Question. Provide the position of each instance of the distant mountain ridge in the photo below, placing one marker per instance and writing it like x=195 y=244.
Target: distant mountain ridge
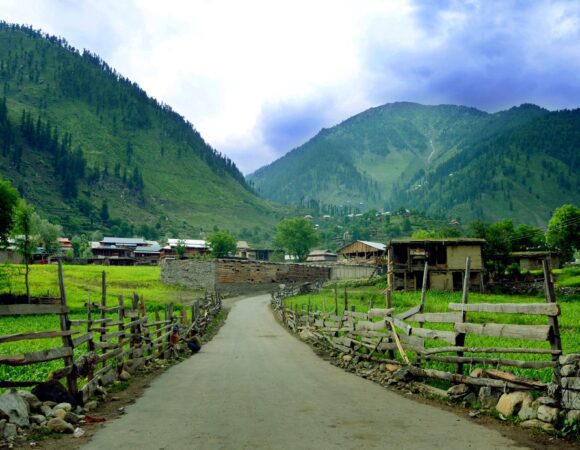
x=76 y=134
x=449 y=160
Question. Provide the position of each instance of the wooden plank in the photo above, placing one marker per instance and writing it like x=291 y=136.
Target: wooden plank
x=365 y=325
x=82 y=339
x=115 y=334
x=493 y=361
x=442 y=317
x=35 y=357
x=106 y=345
x=36 y=335
x=75 y=323
x=71 y=378
x=356 y=315
x=511 y=378
x=400 y=325
x=110 y=354
x=538 y=351
x=26 y=310
x=550 y=295
x=447 y=336
x=546 y=309
x=534 y=332
x=410 y=312
x=380 y=312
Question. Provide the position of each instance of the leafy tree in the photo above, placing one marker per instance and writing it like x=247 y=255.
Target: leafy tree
x=222 y=244
x=104 y=212
x=296 y=236
x=8 y=203
x=564 y=230
x=526 y=237
x=47 y=233
x=180 y=249
x=25 y=242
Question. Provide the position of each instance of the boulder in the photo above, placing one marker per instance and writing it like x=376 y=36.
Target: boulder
x=548 y=414
x=10 y=431
x=38 y=419
x=573 y=416
x=347 y=358
x=527 y=412
x=573 y=358
x=510 y=404
x=571 y=399
x=458 y=391
x=548 y=401
x=58 y=425
x=14 y=408
x=72 y=418
x=58 y=412
x=487 y=397
x=66 y=406
x=570 y=370
x=403 y=374
x=571 y=383
x=89 y=406
x=538 y=424
x=476 y=373
x=124 y=376
x=306 y=334
x=46 y=410
x=392 y=367
x=33 y=403
x=133 y=365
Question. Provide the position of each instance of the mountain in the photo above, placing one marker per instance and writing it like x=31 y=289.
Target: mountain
x=447 y=160
x=90 y=149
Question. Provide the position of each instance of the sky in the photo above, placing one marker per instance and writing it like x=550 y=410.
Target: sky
x=259 y=78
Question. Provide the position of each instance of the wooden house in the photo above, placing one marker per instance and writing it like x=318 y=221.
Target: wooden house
x=533 y=260
x=445 y=258
x=362 y=251
x=193 y=247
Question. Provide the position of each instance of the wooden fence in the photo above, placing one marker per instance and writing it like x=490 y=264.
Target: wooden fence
x=112 y=338
x=379 y=335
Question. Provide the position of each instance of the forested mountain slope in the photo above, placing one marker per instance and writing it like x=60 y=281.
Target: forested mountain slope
x=444 y=159
x=77 y=138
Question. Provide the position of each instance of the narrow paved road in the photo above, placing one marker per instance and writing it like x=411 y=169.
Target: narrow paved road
x=257 y=387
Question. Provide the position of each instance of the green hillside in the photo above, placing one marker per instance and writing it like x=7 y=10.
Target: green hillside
x=403 y=154
x=75 y=134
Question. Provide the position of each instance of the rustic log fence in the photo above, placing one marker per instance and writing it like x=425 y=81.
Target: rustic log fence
x=379 y=335
x=111 y=339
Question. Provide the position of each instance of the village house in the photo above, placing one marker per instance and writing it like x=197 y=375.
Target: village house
x=322 y=256
x=362 y=252
x=445 y=258
x=258 y=254
x=533 y=260
x=192 y=247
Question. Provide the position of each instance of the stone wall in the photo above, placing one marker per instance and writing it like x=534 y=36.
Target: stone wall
x=193 y=273
x=570 y=386
x=238 y=276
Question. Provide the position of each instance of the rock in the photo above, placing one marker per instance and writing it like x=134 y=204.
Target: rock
x=487 y=397
x=60 y=413
x=570 y=370
x=49 y=403
x=548 y=401
x=538 y=424
x=347 y=358
x=469 y=399
x=72 y=418
x=108 y=378
x=571 y=383
x=570 y=399
x=66 y=406
x=476 y=373
x=3 y=423
x=46 y=410
x=527 y=412
x=569 y=359
x=457 y=391
x=306 y=334
x=33 y=403
x=548 y=414
x=124 y=376
x=573 y=416
x=15 y=408
x=79 y=432
x=10 y=431
x=58 y=425
x=392 y=367
x=38 y=419
x=510 y=404
x=403 y=374
x=133 y=365
x=54 y=391
x=89 y=406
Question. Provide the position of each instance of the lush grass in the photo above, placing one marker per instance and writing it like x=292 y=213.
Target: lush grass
x=82 y=281
x=361 y=297
x=568 y=276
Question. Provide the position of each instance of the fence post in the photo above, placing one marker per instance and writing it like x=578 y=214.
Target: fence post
x=555 y=340
x=103 y=324
x=335 y=299
x=460 y=341
x=160 y=353
x=121 y=327
x=345 y=300
x=71 y=378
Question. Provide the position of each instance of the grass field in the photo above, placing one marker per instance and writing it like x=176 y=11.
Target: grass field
x=82 y=280
x=363 y=296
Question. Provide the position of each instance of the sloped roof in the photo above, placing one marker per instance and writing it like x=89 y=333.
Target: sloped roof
x=377 y=245
x=189 y=243
x=123 y=241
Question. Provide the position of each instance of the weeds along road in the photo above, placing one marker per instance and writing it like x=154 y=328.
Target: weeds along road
x=255 y=386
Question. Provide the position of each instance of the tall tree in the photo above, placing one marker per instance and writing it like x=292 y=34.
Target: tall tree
x=25 y=243
x=564 y=231
x=296 y=236
x=8 y=203
x=222 y=244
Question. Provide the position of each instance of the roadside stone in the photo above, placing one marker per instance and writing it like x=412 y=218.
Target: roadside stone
x=124 y=376
x=487 y=397
x=10 y=431
x=58 y=425
x=457 y=391
x=306 y=334
x=548 y=401
x=46 y=410
x=347 y=358
x=89 y=406
x=66 y=406
x=60 y=413
x=571 y=383
x=15 y=408
x=38 y=419
x=392 y=367
x=570 y=399
x=548 y=414
x=32 y=400
x=72 y=418
x=49 y=403
x=537 y=424
x=569 y=359
x=510 y=404
x=476 y=373
x=573 y=416
x=570 y=370
x=527 y=412
x=403 y=375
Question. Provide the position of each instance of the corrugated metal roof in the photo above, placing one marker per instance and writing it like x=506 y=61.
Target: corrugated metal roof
x=376 y=245
x=189 y=243
x=438 y=240
x=122 y=241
